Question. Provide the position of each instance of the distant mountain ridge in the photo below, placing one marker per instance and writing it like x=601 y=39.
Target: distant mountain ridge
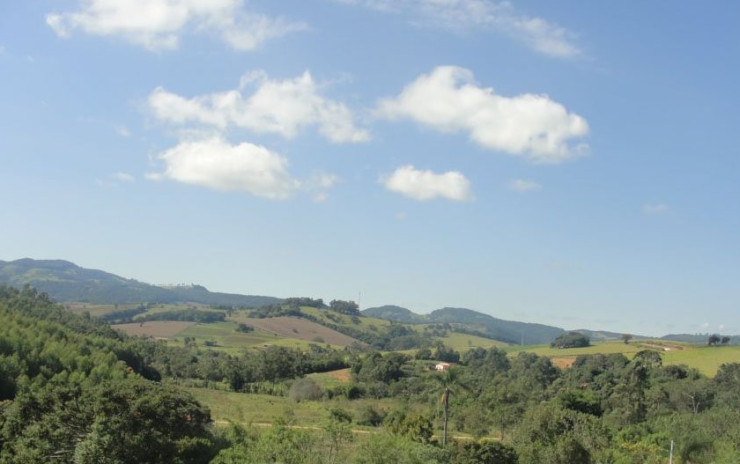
x=66 y=282
x=472 y=321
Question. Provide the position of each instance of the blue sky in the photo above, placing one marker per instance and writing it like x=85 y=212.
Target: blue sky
x=569 y=163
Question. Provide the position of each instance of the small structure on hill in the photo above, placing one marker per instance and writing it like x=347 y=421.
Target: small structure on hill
x=441 y=367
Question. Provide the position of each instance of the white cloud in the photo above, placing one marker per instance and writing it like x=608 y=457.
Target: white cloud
x=523 y=185
x=654 y=208
x=159 y=24
x=426 y=185
x=123 y=131
x=449 y=100
x=123 y=177
x=319 y=183
x=284 y=107
x=462 y=15
x=218 y=165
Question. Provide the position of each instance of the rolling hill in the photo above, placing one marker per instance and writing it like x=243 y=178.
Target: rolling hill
x=467 y=320
x=66 y=282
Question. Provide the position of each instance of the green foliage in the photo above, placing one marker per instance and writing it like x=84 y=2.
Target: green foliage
x=571 y=340
x=129 y=420
x=375 y=367
x=484 y=452
x=305 y=389
x=345 y=307
x=190 y=314
x=412 y=426
x=371 y=416
x=394 y=449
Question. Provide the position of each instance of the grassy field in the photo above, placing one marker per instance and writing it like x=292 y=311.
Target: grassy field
x=332 y=379
x=704 y=358
x=302 y=329
x=464 y=342
x=97 y=310
x=225 y=336
x=156 y=329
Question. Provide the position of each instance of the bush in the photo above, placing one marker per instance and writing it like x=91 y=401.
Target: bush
x=340 y=415
x=370 y=416
x=305 y=389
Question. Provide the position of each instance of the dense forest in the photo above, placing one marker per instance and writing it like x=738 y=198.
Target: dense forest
x=73 y=390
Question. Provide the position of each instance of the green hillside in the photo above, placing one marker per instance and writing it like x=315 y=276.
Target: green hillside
x=67 y=282
x=473 y=322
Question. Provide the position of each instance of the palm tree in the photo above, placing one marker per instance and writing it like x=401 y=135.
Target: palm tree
x=449 y=380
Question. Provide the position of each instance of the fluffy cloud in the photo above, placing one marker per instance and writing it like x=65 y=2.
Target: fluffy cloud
x=654 y=208
x=540 y=35
x=158 y=24
x=218 y=165
x=529 y=125
x=278 y=106
x=524 y=186
x=426 y=185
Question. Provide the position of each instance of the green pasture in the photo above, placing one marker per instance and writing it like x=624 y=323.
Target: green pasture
x=250 y=408
x=706 y=359
x=227 y=338
x=463 y=342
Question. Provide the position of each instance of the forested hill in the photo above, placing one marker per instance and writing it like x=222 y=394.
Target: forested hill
x=474 y=321
x=65 y=281
x=396 y=314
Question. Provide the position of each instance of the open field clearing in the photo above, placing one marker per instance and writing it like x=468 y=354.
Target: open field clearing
x=291 y=327
x=225 y=337
x=244 y=408
x=156 y=329
x=706 y=359
x=464 y=342
x=365 y=323
x=97 y=310
x=332 y=379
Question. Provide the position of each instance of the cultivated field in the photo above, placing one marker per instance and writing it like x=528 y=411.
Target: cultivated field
x=291 y=327
x=156 y=329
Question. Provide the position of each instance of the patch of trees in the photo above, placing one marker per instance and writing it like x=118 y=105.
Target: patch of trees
x=716 y=339
x=123 y=316
x=349 y=308
x=297 y=302
x=571 y=340
x=77 y=391
x=190 y=314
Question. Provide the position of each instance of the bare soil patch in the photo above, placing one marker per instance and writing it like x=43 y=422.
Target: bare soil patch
x=342 y=375
x=293 y=327
x=156 y=329
x=563 y=363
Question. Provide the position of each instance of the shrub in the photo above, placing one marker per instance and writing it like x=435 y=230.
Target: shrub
x=305 y=389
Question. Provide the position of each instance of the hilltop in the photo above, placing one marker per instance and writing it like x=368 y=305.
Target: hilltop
x=469 y=321
x=67 y=282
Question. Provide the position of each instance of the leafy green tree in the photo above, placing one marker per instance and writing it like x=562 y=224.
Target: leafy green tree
x=571 y=340
x=129 y=420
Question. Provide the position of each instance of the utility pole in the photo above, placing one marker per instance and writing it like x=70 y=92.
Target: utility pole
x=670 y=457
